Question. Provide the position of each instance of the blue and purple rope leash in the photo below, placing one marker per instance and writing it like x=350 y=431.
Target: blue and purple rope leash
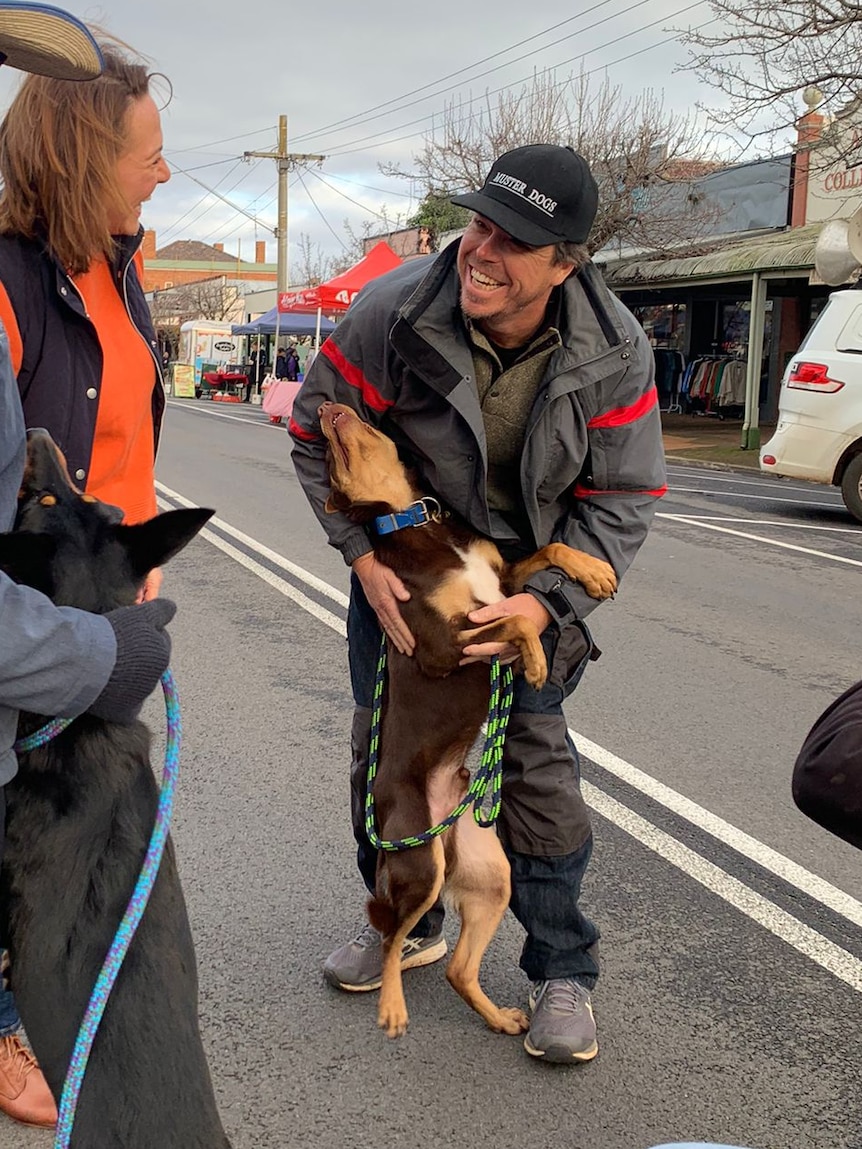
x=134 y=911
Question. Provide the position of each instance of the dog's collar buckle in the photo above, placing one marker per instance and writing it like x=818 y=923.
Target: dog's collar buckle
x=423 y=511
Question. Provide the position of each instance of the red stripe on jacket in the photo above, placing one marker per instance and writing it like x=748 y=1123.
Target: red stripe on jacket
x=352 y=375
x=300 y=432
x=622 y=415
x=588 y=492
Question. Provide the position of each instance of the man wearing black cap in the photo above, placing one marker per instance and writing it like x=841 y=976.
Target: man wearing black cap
x=55 y=661
x=522 y=392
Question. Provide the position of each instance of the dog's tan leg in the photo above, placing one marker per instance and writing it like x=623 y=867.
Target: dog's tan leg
x=595 y=575
x=392 y=1010
x=479 y=887
x=519 y=631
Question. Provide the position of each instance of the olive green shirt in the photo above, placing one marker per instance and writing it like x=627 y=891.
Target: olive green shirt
x=506 y=383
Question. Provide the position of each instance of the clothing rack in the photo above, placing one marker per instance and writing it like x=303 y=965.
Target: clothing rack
x=715 y=381
x=669 y=370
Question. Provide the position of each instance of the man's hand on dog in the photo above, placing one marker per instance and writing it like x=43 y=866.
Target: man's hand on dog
x=525 y=605
x=384 y=590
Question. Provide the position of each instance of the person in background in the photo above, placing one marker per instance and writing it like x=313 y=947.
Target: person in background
x=87 y=367
x=291 y=364
x=281 y=364
x=522 y=393
x=258 y=364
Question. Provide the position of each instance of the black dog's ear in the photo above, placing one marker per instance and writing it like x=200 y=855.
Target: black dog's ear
x=26 y=556
x=152 y=543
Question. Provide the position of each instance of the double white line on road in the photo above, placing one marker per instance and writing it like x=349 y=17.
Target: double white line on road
x=755 y=906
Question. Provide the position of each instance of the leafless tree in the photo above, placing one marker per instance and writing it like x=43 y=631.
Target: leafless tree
x=643 y=157
x=214 y=299
x=381 y=228
x=761 y=55
x=313 y=265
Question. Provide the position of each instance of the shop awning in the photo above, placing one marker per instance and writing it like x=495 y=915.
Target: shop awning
x=790 y=251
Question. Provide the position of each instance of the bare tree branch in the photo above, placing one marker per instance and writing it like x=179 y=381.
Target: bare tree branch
x=639 y=153
x=761 y=55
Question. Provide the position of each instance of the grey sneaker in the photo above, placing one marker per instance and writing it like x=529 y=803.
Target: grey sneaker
x=562 y=1027
x=357 y=966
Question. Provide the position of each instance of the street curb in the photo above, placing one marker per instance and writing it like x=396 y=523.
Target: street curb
x=710 y=464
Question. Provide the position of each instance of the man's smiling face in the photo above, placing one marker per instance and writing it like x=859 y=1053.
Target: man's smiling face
x=505 y=284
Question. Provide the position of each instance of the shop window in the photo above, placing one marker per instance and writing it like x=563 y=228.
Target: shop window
x=664 y=324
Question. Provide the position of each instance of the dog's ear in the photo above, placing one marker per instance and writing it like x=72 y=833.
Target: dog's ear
x=25 y=557
x=153 y=543
x=336 y=501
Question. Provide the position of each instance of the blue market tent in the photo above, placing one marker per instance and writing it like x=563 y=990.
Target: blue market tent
x=286 y=323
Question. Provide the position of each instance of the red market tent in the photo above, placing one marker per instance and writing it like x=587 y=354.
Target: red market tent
x=338 y=293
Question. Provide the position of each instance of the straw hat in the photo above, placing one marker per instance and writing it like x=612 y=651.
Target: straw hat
x=48 y=41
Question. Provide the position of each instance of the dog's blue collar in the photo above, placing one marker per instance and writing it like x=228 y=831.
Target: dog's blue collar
x=416 y=515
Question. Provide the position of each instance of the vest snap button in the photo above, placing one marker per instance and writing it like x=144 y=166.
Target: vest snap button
x=92 y=392
x=79 y=474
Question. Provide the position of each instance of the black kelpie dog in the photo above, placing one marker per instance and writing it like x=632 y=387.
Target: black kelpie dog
x=80 y=814
x=433 y=708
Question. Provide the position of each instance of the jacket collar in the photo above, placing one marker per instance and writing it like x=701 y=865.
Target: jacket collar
x=588 y=318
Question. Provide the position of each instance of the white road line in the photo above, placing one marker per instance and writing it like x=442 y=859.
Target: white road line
x=307 y=577
x=759 y=539
x=767 y=858
x=777 y=921
x=745 y=495
x=763 y=482
x=222 y=415
x=785 y=524
x=771 y=917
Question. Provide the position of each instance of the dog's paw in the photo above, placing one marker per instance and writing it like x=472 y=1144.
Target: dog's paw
x=599 y=580
x=536 y=671
x=510 y=1021
x=394 y=1021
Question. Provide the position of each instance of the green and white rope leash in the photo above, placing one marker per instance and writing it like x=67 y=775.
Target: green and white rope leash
x=489 y=773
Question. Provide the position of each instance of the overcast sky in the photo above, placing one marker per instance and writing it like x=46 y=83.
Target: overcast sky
x=236 y=67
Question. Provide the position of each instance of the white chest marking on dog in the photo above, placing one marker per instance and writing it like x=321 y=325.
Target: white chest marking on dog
x=481 y=577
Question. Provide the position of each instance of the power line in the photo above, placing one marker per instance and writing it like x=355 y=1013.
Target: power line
x=350 y=148
x=460 y=71
x=174 y=226
x=369 y=210
x=319 y=212
x=368 y=187
x=224 y=199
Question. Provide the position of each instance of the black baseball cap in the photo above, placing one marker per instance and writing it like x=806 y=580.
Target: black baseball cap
x=539 y=194
x=47 y=41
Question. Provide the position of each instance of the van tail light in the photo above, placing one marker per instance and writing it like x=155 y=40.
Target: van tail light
x=812 y=377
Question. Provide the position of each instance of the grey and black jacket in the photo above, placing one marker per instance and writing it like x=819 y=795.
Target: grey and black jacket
x=53 y=660
x=592 y=465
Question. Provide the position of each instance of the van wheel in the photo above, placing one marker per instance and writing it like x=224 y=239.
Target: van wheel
x=851 y=487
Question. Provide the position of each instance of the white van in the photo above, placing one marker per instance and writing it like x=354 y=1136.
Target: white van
x=819 y=432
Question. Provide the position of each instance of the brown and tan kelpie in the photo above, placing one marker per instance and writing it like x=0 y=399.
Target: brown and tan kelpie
x=433 y=708
x=80 y=813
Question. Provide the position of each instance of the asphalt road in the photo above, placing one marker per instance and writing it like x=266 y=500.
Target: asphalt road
x=732 y=955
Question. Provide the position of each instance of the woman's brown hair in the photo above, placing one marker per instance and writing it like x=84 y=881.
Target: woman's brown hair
x=59 y=145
